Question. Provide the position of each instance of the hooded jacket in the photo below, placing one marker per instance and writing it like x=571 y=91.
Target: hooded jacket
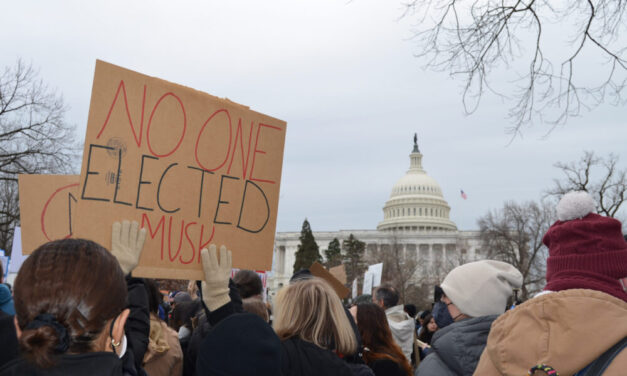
x=456 y=348
x=402 y=327
x=566 y=330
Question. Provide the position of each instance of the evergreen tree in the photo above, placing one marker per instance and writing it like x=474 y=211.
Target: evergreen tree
x=308 y=251
x=333 y=254
x=354 y=257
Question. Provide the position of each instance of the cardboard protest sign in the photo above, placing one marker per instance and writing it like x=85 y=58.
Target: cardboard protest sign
x=47 y=208
x=191 y=168
x=339 y=272
x=319 y=271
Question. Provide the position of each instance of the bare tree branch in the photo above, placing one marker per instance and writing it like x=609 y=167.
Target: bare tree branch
x=601 y=177
x=34 y=138
x=476 y=39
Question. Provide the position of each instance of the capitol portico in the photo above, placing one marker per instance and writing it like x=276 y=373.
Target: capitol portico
x=415 y=220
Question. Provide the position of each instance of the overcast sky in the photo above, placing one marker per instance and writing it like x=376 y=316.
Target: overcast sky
x=344 y=77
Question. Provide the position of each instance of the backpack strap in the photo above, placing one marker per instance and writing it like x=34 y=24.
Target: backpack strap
x=600 y=364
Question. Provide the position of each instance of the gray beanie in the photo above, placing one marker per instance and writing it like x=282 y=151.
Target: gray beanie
x=481 y=288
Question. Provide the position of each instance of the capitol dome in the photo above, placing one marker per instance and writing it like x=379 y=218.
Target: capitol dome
x=416 y=202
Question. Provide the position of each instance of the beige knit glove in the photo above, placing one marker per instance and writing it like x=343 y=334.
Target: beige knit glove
x=215 y=287
x=127 y=242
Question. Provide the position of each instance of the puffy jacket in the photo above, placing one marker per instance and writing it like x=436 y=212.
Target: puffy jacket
x=456 y=348
x=566 y=330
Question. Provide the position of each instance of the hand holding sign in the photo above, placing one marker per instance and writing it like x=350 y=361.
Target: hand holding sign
x=215 y=287
x=127 y=242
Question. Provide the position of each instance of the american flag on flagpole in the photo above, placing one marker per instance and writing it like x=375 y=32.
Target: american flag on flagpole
x=464 y=195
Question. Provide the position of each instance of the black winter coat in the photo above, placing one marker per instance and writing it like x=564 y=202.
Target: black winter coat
x=386 y=367
x=302 y=358
x=8 y=339
x=93 y=364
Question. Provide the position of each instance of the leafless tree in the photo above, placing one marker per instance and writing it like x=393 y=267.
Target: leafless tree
x=431 y=271
x=34 y=137
x=475 y=38
x=601 y=177
x=399 y=267
x=514 y=234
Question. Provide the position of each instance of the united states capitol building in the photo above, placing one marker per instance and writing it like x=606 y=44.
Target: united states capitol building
x=415 y=221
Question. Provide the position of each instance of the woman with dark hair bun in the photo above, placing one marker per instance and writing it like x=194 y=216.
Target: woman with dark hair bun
x=71 y=308
x=381 y=353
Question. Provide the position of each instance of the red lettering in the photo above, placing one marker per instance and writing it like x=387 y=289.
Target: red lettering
x=150 y=122
x=121 y=87
x=190 y=243
x=202 y=245
x=241 y=145
x=170 y=240
x=45 y=209
x=161 y=224
x=226 y=157
x=257 y=151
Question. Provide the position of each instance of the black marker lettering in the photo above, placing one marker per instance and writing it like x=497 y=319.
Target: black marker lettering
x=142 y=182
x=159 y=191
x=202 y=182
x=215 y=218
x=239 y=221
x=117 y=181
x=89 y=172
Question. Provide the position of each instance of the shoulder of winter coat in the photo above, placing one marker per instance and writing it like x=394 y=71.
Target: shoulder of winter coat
x=566 y=329
x=386 y=367
x=460 y=344
x=433 y=365
x=93 y=364
x=302 y=358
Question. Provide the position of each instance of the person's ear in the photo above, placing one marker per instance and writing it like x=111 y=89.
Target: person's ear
x=118 y=326
x=18 y=331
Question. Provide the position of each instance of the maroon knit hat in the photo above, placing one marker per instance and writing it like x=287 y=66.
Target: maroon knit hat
x=586 y=250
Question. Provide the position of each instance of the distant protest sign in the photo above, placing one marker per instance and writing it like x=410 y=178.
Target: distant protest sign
x=339 y=272
x=377 y=272
x=17 y=257
x=47 y=208
x=319 y=271
x=191 y=168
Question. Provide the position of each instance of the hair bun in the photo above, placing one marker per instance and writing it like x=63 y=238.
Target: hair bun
x=38 y=345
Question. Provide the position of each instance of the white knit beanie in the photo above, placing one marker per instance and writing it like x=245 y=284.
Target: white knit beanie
x=481 y=288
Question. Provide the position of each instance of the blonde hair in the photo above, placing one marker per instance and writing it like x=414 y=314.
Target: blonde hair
x=311 y=310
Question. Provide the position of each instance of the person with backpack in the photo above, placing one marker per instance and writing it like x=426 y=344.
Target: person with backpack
x=585 y=283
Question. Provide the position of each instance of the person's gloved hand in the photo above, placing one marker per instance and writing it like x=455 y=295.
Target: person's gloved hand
x=127 y=242
x=215 y=287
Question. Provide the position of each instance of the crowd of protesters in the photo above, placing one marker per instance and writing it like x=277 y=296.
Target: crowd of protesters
x=75 y=309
